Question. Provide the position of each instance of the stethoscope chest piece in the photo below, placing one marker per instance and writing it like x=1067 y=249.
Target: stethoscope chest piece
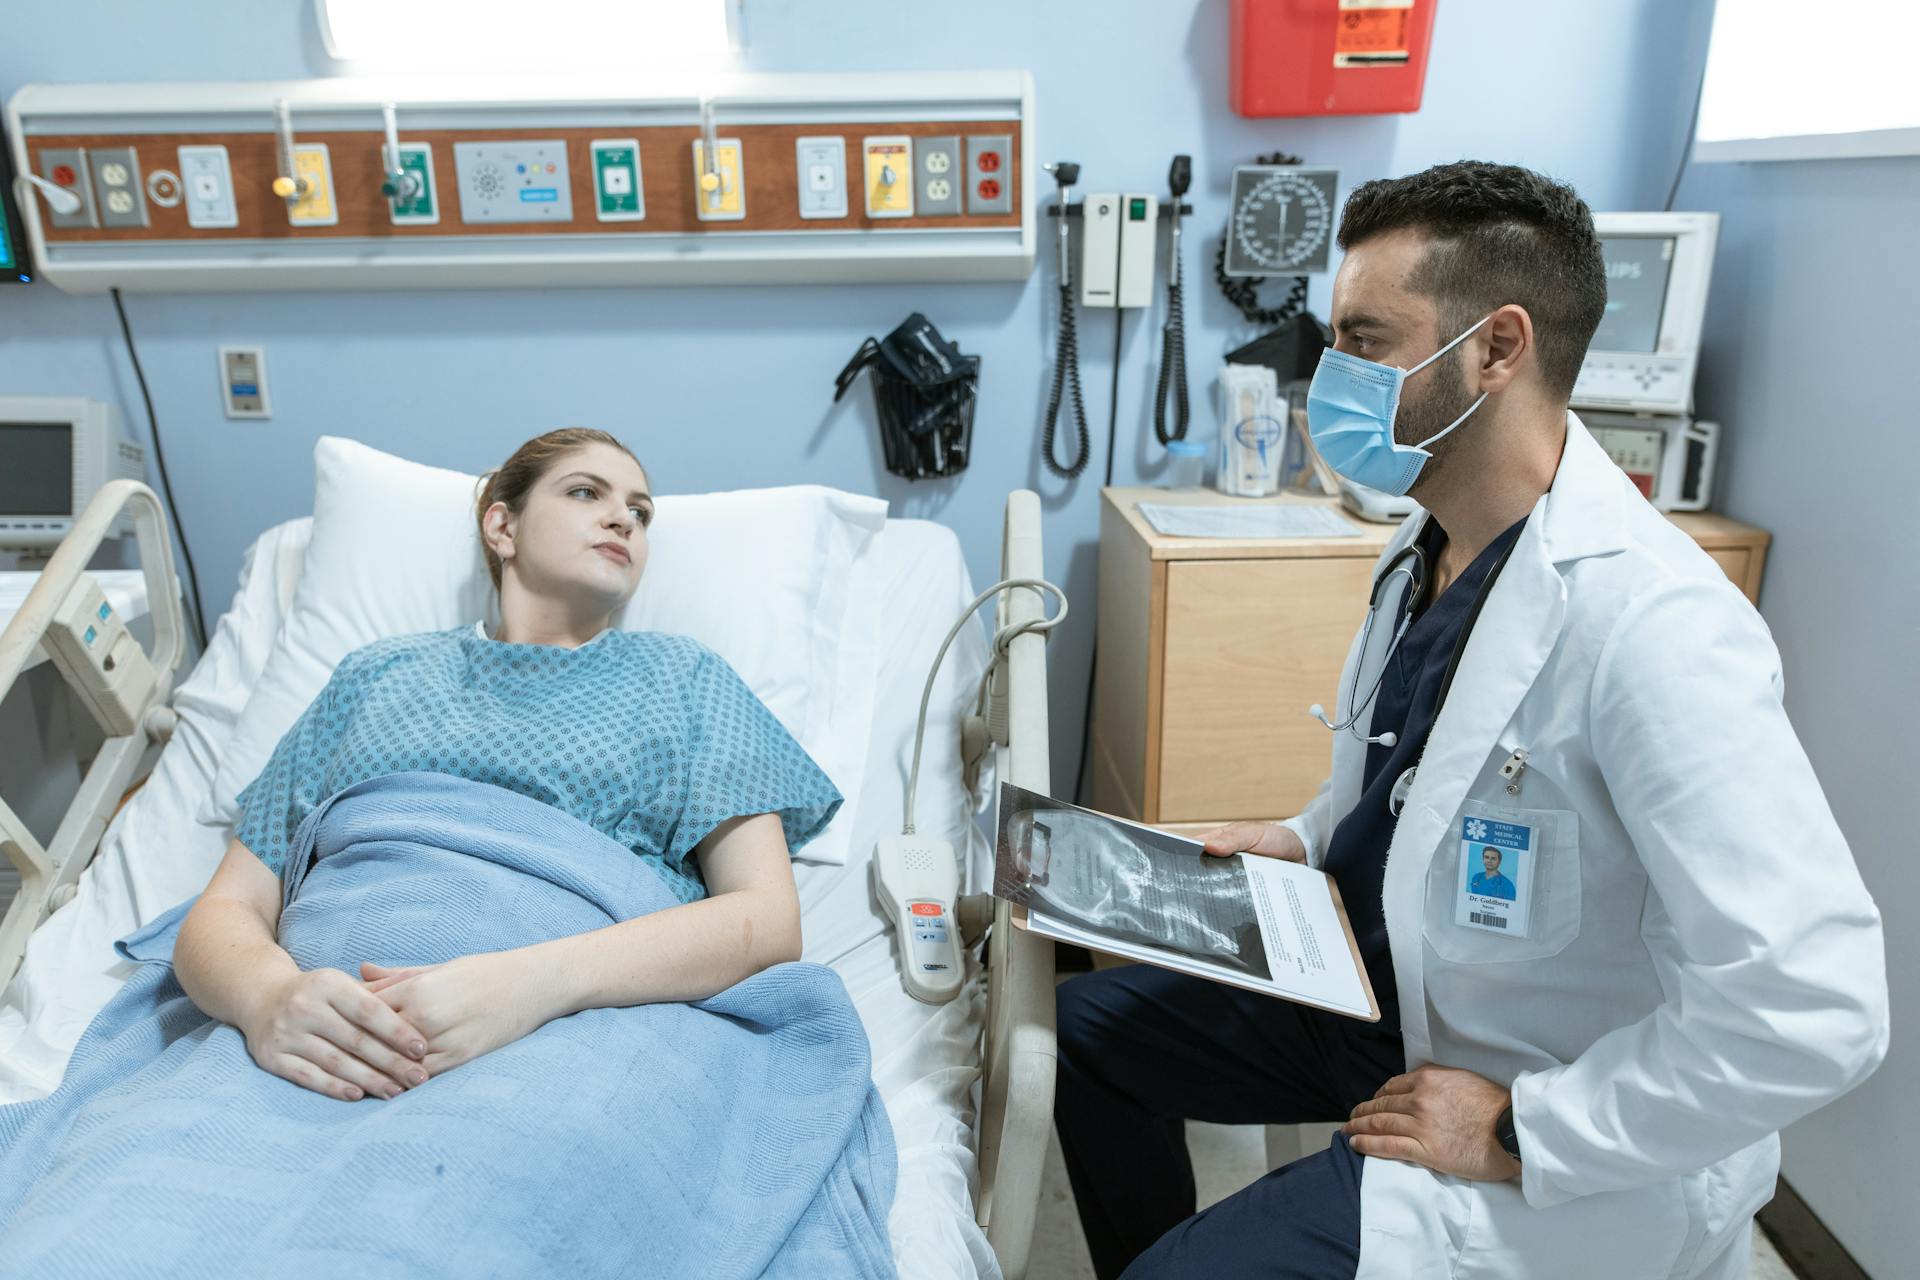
x=1402 y=786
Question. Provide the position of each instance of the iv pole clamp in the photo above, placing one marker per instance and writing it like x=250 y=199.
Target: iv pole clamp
x=1173 y=343
x=1066 y=360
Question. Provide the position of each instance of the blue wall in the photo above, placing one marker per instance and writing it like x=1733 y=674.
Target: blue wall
x=729 y=387
x=1810 y=362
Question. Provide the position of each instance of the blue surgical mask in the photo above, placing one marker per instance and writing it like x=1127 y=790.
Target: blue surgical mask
x=1350 y=410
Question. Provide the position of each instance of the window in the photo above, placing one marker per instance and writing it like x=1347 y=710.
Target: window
x=1798 y=81
x=529 y=35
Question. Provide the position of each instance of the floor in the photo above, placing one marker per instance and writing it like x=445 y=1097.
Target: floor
x=1225 y=1158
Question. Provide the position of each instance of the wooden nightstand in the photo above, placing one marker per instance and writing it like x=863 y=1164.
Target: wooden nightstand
x=1211 y=650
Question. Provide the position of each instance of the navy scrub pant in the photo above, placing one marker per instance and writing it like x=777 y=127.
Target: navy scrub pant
x=1142 y=1050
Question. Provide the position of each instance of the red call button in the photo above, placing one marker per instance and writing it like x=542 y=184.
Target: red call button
x=63 y=175
x=926 y=908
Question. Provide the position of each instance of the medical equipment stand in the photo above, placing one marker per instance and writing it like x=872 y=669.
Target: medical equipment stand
x=124 y=689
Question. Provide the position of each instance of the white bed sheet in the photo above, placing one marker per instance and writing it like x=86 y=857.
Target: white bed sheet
x=925 y=1058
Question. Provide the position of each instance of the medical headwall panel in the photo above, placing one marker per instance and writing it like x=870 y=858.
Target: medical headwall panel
x=334 y=184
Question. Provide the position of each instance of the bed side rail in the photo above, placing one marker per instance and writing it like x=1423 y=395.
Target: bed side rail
x=123 y=688
x=1016 y=1104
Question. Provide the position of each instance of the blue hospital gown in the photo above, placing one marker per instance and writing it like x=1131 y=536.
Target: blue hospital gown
x=650 y=739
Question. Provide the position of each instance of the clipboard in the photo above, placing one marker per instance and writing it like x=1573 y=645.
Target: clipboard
x=1293 y=961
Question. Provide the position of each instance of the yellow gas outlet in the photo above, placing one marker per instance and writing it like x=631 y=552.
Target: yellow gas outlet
x=316 y=208
x=724 y=200
x=889 y=167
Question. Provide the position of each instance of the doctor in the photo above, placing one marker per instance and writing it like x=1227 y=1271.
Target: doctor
x=1587 y=1080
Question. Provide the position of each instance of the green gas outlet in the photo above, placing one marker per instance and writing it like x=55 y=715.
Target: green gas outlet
x=421 y=207
x=617 y=192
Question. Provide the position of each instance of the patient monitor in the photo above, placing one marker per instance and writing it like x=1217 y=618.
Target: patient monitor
x=1643 y=356
x=56 y=452
x=1635 y=389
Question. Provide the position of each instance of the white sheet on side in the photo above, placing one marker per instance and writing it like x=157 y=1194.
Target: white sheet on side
x=911 y=580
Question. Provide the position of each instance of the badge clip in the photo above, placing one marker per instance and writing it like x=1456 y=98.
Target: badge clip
x=1515 y=766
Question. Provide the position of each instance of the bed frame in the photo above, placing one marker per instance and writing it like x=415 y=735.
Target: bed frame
x=49 y=875
x=1016 y=1096
x=1016 y=1093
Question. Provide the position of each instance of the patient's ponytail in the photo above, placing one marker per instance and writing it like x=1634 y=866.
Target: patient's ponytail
x=514 y=479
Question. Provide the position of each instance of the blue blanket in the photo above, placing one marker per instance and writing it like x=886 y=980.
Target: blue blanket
x=739 y=1136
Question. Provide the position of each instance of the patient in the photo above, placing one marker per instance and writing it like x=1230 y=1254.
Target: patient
x=650 y=739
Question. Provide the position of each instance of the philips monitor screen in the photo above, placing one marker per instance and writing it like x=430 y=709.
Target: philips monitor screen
x=38 y=477
x=1637 y=271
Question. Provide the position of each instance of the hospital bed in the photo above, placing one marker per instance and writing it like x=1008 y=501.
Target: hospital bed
x=968 y=1085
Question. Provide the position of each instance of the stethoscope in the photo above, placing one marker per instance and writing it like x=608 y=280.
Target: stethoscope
x=1416 y=577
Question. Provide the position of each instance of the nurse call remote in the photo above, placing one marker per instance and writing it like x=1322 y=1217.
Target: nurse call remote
x=918 y=881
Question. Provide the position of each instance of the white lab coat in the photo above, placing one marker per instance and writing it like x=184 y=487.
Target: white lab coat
x=1705 y=965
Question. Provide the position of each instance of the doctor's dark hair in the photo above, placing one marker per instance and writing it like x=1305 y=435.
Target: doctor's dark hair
x=1500 y=234
x=514 y=479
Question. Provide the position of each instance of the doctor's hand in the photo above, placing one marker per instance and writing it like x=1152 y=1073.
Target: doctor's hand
x=1268 y=839
x=465 y=1007
x=1439 y=1117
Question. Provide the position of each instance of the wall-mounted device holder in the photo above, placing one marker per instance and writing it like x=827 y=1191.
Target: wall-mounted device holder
x=1117 y=248
x=200 y=187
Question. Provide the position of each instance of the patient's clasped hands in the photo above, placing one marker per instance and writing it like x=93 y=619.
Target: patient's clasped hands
x=327 y=1032
x=394 y=1028
x=465 y=1007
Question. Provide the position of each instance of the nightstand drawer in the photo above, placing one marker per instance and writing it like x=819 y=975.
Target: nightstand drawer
x=1250 y=645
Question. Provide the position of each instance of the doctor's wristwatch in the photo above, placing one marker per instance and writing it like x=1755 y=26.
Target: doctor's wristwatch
x=1504 y=1132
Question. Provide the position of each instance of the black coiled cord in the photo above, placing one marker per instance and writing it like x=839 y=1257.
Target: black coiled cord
x=1066 y=374
x=1173 y=371
x=1244 y=291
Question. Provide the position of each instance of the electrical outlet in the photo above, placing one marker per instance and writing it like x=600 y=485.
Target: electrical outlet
x=989 y=173
x=243 y=382
x=939 y=176
x=66 y=167
x=117 y=187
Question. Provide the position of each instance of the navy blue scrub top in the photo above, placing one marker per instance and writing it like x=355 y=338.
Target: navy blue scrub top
x=1408 y=703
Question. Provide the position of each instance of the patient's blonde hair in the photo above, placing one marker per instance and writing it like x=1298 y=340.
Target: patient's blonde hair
x=514 y=479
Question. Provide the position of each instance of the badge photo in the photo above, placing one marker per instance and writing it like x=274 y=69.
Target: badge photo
x=1496 y=875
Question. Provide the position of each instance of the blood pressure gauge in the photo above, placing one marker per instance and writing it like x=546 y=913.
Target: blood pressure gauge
x=1282 y=220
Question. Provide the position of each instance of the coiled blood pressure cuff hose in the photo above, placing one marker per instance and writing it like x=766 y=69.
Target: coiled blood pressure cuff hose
x=1066 y=375
x=1173 y=344
x=924 y=391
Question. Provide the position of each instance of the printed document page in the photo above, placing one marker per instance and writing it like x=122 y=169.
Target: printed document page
x=1129 y=890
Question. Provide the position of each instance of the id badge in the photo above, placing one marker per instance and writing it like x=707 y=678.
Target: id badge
x=1497 y=872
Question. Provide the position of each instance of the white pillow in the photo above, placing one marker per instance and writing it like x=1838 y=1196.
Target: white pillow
x=759 y=576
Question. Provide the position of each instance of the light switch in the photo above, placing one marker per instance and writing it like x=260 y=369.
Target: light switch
x=243 y=382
